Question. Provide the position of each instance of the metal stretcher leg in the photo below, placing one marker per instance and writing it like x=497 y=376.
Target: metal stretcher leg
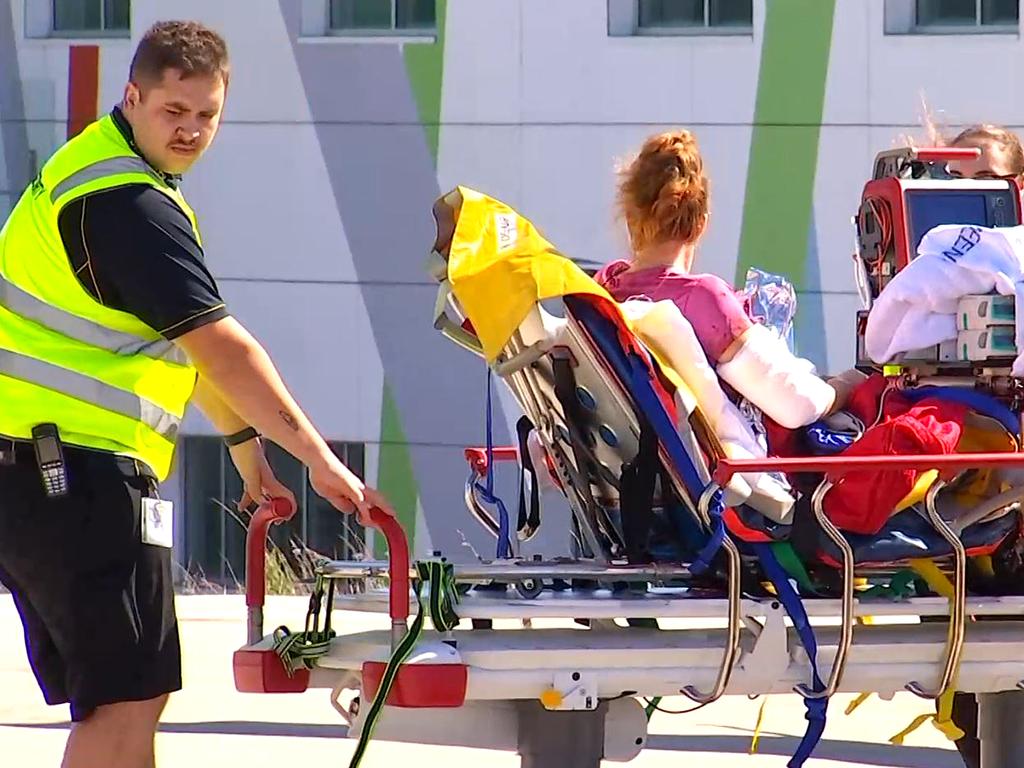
x=1001 y=728
x=732 y=641
x=846 y=629
x=560 y=739
x=958 y=605
x=955 y=641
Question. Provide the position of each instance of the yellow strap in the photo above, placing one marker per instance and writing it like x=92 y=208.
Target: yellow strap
x=918 y=492
x=943 y=719
x=757 y=726
x=984 y=563
x=857 y=702
x=914 y=725
x=935 y=578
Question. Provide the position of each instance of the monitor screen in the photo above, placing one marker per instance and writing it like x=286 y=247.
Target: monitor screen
x=928 y=208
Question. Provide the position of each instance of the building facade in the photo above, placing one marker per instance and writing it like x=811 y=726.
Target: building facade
x=346 y=119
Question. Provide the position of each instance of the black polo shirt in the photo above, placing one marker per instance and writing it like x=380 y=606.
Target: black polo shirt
x=134 y=250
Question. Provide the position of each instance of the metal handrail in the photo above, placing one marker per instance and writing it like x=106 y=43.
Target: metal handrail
x=957 y=604
x=846 y=630
x=732 y=644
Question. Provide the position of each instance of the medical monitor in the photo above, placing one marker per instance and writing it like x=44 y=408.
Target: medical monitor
x=929 y=208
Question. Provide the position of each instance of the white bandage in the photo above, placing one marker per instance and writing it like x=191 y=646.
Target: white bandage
x=663 y=329
x=781 y=385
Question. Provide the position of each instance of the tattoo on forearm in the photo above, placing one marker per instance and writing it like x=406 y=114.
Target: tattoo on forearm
x=289 y=420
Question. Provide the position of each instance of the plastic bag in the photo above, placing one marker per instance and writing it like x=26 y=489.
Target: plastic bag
x=772 y=301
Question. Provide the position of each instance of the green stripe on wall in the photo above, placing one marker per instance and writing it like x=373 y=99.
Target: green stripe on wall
x=424 y=64
x=395 y=477
x=784 y=146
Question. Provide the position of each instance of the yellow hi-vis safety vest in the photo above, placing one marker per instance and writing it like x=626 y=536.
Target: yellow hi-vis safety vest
x=105 y=378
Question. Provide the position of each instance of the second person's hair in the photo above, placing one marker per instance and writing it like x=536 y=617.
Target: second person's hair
x=663 y=192
x=1004 y=138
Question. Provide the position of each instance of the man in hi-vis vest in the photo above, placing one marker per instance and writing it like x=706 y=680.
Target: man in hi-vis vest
x=110 y=323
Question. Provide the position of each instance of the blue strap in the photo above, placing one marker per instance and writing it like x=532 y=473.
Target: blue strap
x=487 y=493
x=823 y=440
x=490 y=438
x=709 y=550
x=981 y=402
x=504 y=545
x=816 y=708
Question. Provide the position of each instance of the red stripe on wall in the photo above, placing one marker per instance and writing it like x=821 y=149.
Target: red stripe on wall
x=83 y=87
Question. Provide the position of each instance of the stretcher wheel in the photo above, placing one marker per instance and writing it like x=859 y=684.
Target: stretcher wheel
x=529 y=588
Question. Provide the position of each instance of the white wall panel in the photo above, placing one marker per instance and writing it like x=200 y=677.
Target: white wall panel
x=266 y=205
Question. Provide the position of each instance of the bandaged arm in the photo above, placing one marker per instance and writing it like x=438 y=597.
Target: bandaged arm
x=784 y=387
x=663 y=329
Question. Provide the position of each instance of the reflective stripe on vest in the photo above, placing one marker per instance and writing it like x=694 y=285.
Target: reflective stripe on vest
x=89 y=390
x=107 y=379
x=78 y=328
x=98 y=170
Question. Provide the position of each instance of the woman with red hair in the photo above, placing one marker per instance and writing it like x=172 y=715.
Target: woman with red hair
x=663 y=197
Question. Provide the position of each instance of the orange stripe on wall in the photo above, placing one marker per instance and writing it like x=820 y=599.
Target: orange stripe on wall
x=83 y=87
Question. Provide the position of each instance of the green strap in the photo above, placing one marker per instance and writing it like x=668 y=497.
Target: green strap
x=302 y=649
x=900 y=587
x=444 y=595
x=443 y=598
x=794 y=566
x=652 y=707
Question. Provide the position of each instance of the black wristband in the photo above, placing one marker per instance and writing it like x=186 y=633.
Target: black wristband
x=242 y=436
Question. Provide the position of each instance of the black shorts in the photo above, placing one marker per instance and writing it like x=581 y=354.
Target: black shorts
x=97 y=604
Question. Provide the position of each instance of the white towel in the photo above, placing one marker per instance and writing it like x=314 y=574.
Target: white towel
x=917 y=309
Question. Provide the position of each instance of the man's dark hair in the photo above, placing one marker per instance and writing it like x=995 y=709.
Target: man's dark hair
x=187 y=46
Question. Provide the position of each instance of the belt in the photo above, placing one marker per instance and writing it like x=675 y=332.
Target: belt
x=14 y=450
x=11 y=449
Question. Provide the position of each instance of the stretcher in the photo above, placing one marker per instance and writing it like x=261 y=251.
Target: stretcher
x=661 y=535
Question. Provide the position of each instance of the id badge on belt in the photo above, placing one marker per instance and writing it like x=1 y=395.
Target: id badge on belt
x=157 y=522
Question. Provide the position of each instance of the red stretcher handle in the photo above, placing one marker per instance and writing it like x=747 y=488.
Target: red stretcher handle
x=477 y=457
x=398 y=562
x=279 y=510
x=269 y=513
x=840 y=465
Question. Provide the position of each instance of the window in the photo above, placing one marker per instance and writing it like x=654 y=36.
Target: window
x=675 y=17
x=403 y=17
x=671 y=14
x=951 y=16
x=966 y=13
x=215 y=530
x=91 y=17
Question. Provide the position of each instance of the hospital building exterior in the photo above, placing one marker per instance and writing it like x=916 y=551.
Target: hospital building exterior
x=345 y=120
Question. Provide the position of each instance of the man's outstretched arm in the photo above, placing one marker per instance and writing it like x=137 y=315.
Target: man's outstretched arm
x=242 y=375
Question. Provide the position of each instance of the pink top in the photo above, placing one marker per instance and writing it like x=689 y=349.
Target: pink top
x=718 y=315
